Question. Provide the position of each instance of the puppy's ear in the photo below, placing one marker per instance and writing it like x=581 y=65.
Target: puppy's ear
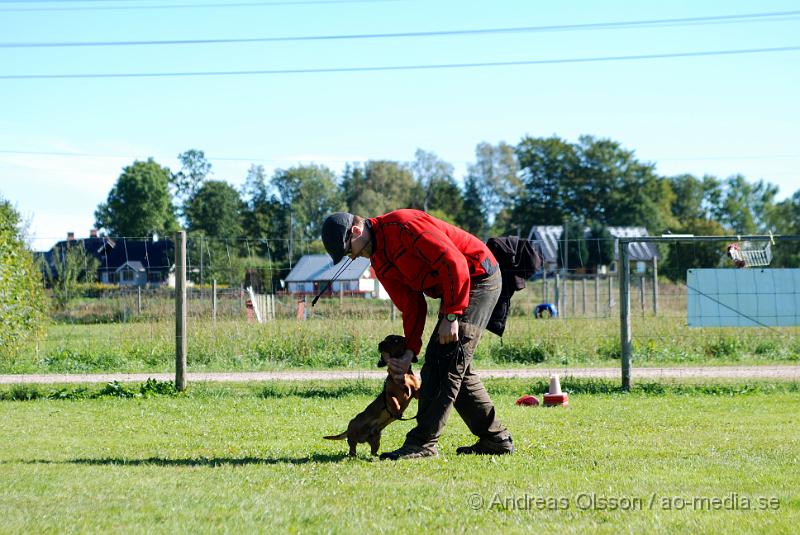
x=414 y=359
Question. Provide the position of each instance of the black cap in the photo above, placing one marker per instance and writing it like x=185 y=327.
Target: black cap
x=335 y=231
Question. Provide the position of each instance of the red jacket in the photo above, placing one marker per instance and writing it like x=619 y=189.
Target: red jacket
x=415 y=255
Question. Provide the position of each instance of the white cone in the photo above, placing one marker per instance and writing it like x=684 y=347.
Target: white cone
x=555 y=385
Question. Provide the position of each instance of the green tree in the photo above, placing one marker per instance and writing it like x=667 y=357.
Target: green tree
x=472 y=217
x=256 y=185
x=214 y=221
x=694 y=198
x=683 y=256
x=547 y=167
x=139 y=203
x=600 y=244
x=434 y=177
x=444 y=196
x=573 y=252
x=262 y=214
x=377 y=187
x=785 y=219
x=23 y=304
x=307 y=194
x=215 y=210
x=505 y=224
x=745 y=207
x=496 y=174
x=593 y=180
x=72 y=264
x=195 y=170
x=615 y=188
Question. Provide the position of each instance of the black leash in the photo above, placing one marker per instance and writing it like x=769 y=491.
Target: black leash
x=439 y=360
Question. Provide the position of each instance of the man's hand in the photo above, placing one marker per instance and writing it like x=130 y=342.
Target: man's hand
x=448 y=331
x=399 y=366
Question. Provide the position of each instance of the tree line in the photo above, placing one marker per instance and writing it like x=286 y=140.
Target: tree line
x=591 y=183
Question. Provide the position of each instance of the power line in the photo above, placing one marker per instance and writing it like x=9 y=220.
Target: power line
x=67 y=1
x=346 y=160
x=703 y=158
x=127 y=156
x=749 y=17
x=194 y=6
x=329 y=70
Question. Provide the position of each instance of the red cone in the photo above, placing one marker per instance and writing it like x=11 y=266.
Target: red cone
x=555 y=396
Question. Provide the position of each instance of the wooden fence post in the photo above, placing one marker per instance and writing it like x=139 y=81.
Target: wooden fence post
x=574 y=309
x=655 y=286
x=583 y=295
x=624 y=314
x=596 y=294
x=641 y=292
x=181 y=310
x=557 y=297
x=214 y=300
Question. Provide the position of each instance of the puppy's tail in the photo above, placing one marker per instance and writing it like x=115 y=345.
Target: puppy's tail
x=340 y=436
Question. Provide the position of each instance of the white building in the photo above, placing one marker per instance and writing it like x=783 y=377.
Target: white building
x=314 y=272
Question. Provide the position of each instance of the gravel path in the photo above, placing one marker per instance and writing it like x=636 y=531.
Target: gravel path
x=785 y=373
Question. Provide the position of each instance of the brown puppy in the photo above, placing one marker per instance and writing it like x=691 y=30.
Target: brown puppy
x=392 y=346
x=367 y=425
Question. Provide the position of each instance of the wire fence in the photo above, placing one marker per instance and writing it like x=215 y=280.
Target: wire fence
x=249 y=311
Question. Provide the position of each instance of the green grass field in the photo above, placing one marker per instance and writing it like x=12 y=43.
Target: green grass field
x=352 y=343
x=109 y=332
x=250 y=458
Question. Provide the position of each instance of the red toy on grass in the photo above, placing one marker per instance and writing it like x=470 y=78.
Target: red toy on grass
x=528 y=401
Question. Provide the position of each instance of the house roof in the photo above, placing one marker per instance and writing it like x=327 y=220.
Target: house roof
x=318 y=267
x=547 y=236
x=134 y=265
x=641 y=252
x=114 y=253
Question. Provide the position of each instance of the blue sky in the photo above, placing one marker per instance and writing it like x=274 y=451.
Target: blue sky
x=717 y=114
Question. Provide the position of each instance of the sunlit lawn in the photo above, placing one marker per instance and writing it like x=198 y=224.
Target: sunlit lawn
x=247 y=458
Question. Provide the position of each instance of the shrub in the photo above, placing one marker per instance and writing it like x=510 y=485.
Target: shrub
x=22 y=300
x=523 y=352
x=723 y=347
x=609 y=348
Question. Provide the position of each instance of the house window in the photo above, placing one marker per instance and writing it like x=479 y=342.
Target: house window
x=127 y=275
x=155 y=276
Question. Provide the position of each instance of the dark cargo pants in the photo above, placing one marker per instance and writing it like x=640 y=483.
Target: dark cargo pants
x=447 y=377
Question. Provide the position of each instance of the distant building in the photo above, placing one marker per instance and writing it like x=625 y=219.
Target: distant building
x=547 y=237
x=124 y=261
x=314 y=271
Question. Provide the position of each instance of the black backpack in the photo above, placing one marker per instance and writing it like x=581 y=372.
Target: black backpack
x=518 y=260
